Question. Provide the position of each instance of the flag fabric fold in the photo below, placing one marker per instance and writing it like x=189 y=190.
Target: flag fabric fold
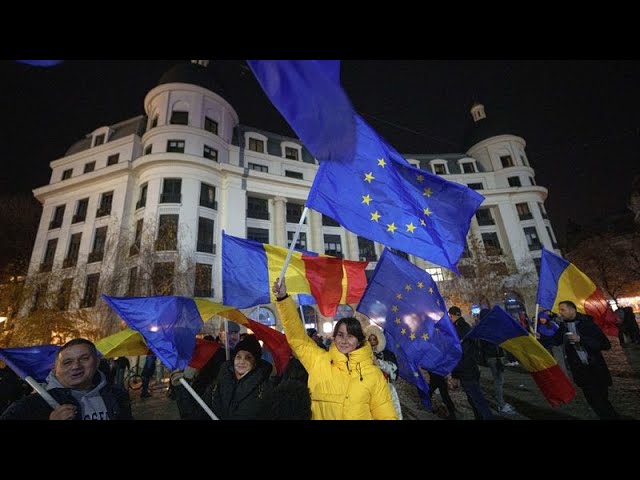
x=127 y=343
x=561 y=280
x=249 y=269
x=369 y=188
x=168 y=324
x=404 y=300
x=325 y=103
x=35 y=362
x=500 y=328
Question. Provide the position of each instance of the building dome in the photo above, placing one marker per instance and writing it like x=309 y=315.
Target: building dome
x=195 y=72
x=484 y=127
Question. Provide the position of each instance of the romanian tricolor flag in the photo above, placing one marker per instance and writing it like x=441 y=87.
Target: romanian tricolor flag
x=561 y=280
x=499 y=328
x=250 y=268
x=272 y=339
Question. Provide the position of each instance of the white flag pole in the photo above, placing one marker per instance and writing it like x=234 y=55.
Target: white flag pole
x=294 y=242
x=42 y=392
x=197 y=398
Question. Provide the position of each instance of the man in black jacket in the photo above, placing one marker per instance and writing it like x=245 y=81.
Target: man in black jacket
x=467 y=371
x=78 y=386
x=583 y=343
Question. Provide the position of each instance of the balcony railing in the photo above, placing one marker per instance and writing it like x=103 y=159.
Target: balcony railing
x=46 y=267
x=213 y=205
x=103 y=212
x=204 y=247
x=55 y=224
x=526 y=216
x=69 y=262
x=95 y=257
x=141 y=204
x=134 y=250
x=203 y=292
x=171 y=198
x=79 y=218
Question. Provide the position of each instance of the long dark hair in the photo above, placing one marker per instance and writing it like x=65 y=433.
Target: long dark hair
x=354 y=327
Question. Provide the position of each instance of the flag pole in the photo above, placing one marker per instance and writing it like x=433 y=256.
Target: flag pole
x=42 y=392
x=535 y=321
x=227 y=354
x=197 y=398
x=294 y=242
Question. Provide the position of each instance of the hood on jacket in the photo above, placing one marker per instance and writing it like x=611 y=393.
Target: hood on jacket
x=375 y=330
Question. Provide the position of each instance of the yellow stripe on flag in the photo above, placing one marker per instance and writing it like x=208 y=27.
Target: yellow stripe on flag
x=127 y=343
x=295 y=277
x=345 y=285
x=208 y=309
x=575 y=286
x=529 y=352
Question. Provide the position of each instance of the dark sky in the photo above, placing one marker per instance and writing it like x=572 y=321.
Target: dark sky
x=580 y=119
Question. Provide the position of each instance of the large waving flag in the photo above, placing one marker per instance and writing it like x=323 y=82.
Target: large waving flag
x=275 y=341
x=501 y=329
x=127 y=343
x=249 y=269
x=369 y=188
x=35 y=362
x=404 y=300
x=168 y=324
x=561 y=280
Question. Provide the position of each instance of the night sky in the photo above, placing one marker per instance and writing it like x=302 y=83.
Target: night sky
x=580 y=119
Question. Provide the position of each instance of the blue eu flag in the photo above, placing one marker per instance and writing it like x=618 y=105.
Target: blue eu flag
x=363 y=182
x=404 y=300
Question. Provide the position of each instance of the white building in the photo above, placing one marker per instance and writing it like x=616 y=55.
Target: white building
x=187 y=169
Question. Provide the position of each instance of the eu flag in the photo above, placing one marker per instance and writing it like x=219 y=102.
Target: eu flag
x=368 y=187
x=404 y=300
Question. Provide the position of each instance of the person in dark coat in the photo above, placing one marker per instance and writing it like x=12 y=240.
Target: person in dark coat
x=630 y=325
x=467 y=371
x=78 y=386
x=583 y=343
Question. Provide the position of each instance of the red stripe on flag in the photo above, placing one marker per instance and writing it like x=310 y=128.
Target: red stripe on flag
x=202 y=352
x=275 y=341
x=356 y=279
x=597 y=307
x=554 y=385
x=324 y=275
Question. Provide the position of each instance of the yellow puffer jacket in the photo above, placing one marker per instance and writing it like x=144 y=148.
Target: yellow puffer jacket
x=343 y=387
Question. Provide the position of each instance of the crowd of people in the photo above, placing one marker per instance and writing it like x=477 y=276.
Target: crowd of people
x=350 y=377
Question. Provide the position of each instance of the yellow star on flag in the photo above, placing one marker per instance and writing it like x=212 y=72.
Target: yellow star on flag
x=368 y=177
x=420 y=178
x=366 y=199
x=375 y=216
x=394 y=308
x=391 y=228
x=397 y=320
x=412 y=336
x=425 y=336
x=427 y=192
x=408 y=288
x=381 y=162
x=403 y=331
x=422 y=222
x=427 y=212
x=420 y=285
x=399 y=296
x=411 y=227
x=431 y=290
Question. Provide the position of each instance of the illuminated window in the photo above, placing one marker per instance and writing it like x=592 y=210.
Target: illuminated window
x=436 y=273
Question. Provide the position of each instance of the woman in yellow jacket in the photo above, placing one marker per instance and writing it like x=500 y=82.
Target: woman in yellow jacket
x=344 y=383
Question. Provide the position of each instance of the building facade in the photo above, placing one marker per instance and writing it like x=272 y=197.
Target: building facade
x=138 y=208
